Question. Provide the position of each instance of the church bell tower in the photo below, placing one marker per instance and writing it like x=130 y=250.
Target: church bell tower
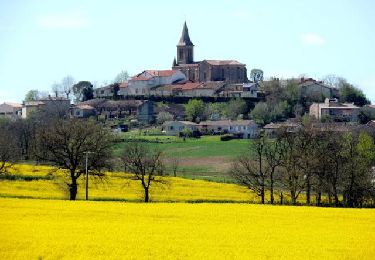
x=185 y=48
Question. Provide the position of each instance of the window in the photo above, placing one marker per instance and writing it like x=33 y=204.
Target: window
x=181 y=54
x=171 y=128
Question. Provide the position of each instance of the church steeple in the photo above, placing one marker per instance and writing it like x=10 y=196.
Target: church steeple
x=185 y=38
x=185 y=47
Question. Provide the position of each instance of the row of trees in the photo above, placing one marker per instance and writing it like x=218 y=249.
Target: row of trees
x=318 y=164
x=66 y=143
x=196 y=110
x=310 y=162
x=70 y=89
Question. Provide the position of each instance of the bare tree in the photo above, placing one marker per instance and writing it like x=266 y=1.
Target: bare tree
x=67 y=84
x=145 y=163
x=65 y=142
x=175 y=164
x=273 y=154
x=9 y=151
x=249 y=169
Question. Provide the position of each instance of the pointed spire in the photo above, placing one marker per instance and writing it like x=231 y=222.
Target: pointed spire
x=185 y=39
x=174 y=62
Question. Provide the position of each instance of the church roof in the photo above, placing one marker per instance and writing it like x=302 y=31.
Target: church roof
x=185 y=38
x=224 y=62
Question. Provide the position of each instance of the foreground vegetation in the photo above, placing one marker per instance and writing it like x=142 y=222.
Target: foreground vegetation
x=45 y=229
x=46 y=182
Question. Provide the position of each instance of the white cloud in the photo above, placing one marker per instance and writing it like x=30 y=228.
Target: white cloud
x=313 y=39
x=70 y=20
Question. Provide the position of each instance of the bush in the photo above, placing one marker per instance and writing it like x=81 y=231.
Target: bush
x=226 y=137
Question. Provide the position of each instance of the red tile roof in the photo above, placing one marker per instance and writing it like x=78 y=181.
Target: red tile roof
x=124 y=85
x=162 y=73
x=139 y=78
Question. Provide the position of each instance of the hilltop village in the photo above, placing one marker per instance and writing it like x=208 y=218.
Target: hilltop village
x=208 y=96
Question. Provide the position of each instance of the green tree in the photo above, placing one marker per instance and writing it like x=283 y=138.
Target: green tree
x=32 y=95
x=83 y=91
x=235 y=107
x=261 y=113
x=195 y=109
x=351 y=94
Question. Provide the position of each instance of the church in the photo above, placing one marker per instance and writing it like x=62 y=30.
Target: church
x=228 y=71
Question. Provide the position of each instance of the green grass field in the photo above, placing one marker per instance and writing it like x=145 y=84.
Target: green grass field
x=203 y=158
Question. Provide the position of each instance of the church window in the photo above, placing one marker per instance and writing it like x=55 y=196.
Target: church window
x=181 y=54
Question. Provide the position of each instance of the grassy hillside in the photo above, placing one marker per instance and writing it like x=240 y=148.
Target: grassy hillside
x=45 y=229
x=204 y=158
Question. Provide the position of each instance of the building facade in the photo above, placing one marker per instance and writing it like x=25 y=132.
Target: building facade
x=229 y=71
x=331 y=108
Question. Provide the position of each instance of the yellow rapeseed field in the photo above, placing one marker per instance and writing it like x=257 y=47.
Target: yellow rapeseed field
x=119 y=186
x=57 y=229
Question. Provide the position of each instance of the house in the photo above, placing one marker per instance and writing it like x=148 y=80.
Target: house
x=316 y=89
x=245 y=128
x=250 y=90
x=55 y=106
x=110 y=109
x=229 y=71
x=109 y=91
x=10 y=110
x=82 y=111
x=331 y=108
x=142 y=83
x=145 y=112
x=188 y=89
x=272 y=129
x=177 y=127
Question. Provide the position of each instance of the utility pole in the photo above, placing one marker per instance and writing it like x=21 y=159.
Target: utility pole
x=87 y=176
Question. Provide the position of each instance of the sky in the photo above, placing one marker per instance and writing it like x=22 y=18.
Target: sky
x=42 y=41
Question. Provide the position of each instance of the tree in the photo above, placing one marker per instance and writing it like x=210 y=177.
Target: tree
x=249 y=169
x=121 y=77
x=333 y=80
x=195 y=110
x=273 y=153
x=359 y=152
x=293 y=175
x=261 y=114
x=83 y=91
x=67 y=84
x=32 y=95
x=351 y=94
x=163 y=117
x=175 y=164
x=235 y=107
x=145 y=163
x=65 y=142
x=56 y=89
x=9 y=151
x=215 y=111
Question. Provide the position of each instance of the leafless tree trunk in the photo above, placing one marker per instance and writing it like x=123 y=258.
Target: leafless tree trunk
x=145 y=163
